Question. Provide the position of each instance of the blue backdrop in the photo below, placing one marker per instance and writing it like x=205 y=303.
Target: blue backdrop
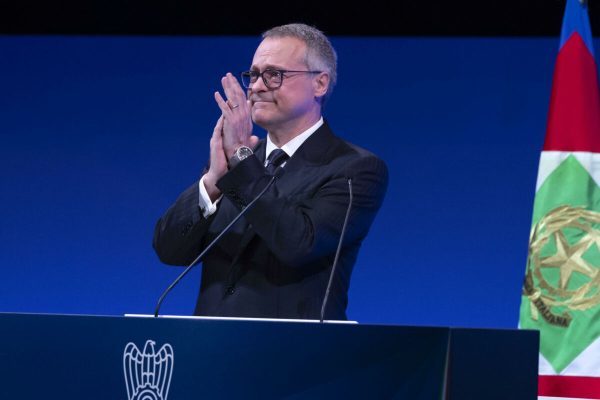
x=100 y=134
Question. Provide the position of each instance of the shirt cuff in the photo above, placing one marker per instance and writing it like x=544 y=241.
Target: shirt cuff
x=206 y=205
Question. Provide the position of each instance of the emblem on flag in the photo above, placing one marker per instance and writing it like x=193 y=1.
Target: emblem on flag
x=564 y=242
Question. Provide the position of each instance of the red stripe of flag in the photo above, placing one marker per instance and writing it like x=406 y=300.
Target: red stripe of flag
x=574 y=115
x=580 y=387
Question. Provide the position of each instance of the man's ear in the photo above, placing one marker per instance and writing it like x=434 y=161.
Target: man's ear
x=321 y=84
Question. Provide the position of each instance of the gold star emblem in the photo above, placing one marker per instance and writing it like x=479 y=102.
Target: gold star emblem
x=554 y=301
x=569 y=259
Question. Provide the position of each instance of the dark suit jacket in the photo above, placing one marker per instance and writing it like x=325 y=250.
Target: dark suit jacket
x=275 y=263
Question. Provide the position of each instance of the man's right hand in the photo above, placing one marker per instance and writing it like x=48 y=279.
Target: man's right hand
x=218 y=162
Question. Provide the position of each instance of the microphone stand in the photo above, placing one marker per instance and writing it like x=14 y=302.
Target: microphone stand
x=337 y=253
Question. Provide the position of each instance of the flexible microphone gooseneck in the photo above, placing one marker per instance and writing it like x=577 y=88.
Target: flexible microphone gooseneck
x=337 y=253
x=215 y=240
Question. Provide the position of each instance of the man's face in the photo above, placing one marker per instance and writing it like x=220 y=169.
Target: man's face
x=284 y=107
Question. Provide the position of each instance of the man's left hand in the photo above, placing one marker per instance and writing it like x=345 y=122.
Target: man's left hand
x=237 y=122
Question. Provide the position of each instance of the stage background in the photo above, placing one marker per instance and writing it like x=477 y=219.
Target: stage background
x=100 y=135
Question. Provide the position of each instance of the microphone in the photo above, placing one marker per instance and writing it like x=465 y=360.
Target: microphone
x=278 y=173
x=337 y=253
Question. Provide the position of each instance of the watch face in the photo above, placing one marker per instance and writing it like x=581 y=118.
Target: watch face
x=243 y=152
x=239 y=155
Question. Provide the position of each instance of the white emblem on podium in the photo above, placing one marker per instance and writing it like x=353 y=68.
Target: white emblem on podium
x=148 y=374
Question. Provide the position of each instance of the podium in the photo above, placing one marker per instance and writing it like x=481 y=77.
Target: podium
x=95 y=357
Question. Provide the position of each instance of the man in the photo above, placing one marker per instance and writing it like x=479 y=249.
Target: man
x=276 y=261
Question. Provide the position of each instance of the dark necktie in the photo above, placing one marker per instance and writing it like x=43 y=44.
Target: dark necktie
x=275 y=159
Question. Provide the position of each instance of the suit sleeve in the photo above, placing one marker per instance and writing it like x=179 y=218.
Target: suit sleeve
x=180 y=232
x=302 y=228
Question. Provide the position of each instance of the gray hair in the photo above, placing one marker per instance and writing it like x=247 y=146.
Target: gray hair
x=320 y=54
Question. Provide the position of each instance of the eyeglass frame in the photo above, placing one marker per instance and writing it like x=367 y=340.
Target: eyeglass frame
x=282 y=72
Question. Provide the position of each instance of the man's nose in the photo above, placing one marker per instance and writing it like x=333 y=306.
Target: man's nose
x=258 y=85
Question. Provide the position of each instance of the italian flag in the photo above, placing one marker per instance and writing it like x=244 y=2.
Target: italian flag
x=561 y=292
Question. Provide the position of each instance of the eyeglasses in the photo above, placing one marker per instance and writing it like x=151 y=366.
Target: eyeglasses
x=273 y=78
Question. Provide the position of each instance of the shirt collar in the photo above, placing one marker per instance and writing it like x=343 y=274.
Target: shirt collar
x=294 y=144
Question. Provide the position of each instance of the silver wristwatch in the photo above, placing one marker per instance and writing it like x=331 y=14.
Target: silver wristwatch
x=240 y=154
